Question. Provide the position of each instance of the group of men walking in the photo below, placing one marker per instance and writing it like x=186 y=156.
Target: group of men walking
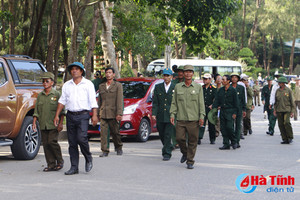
x=181 y=108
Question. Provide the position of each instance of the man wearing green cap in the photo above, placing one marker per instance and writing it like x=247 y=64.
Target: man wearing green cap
x=44 y=112
x=79 y=98
x=256 y=89
x=241 y=105
x=227 y=102
x=162 y=98
x=265 y=98
x=249 y=107
x=209 y=93
x=284 y=109
x=188 y=106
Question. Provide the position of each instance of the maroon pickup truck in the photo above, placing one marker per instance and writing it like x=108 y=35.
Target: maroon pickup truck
x=20 y=83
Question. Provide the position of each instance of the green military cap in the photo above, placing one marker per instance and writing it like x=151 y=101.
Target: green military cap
x=213 y=116
x=235 y=74
x=188 y=68
x=282 y=80
x=269 y=78
x=180 y=68
x=48 y=75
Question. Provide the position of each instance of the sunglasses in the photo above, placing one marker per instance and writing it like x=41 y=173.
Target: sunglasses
x=46 y=81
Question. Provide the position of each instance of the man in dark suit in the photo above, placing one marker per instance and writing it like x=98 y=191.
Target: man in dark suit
x=110 y=112
x=161 y=104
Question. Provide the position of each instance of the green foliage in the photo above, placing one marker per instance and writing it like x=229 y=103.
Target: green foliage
x=126 y=70
x=247 y=56
x=246 y=52
x=297 y=70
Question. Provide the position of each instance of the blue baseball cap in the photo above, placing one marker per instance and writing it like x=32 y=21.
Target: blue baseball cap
x=167 y=72
x=77 y=64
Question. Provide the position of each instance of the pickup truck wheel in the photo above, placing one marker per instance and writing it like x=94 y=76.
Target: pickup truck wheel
x=27 y=144
x=144 y=131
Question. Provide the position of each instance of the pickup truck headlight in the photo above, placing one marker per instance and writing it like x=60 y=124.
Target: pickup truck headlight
x=130 y=109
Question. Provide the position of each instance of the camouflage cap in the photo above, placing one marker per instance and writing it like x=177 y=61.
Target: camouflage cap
x=47 y=75
x=188 y=68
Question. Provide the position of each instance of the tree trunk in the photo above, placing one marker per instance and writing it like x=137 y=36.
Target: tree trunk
x=91 y=45
x=106 y=36
x=58 y=39
x=264 y=52
x=243 y=25
x=64 y=45
x=176 y=45
x=293 y=47
x=139 y=62
x=52 y=33
x=282 y=52
x=270 y=54
x=37 y=29
x=3 y=26
x=25 y=18
x=254 y=27
x=183 y=47
x=12 y=27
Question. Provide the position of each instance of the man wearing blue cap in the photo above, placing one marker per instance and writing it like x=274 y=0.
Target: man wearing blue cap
x=161 y=104
x=79 y=98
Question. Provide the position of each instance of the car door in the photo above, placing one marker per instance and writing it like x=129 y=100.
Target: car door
x=8 y=101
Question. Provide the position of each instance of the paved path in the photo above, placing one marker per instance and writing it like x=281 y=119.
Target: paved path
x=141 y=174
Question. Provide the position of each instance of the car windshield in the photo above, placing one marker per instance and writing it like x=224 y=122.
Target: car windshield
x=135 y=89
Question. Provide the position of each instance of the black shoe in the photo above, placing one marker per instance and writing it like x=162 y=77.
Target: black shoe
x=250 y=131
x=88 y=166
x=71 y=172
x=199 y=141
x=212 y=142
x=183 y=158
x=119 y=152
x=190 y=166
x=104 y=154
x=238 y=146
x=242 y=137
x=268 y=133
x=271 y=133
x=224 y=148
x=259 y=105
x=245 y=133
x=284 y=142
x=166 y=158
x=290 y=141
x=234 y=146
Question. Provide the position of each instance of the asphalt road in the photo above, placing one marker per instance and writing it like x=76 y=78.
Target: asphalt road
x=141 y=174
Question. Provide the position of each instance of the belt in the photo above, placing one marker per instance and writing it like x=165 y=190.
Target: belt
x=83 y=112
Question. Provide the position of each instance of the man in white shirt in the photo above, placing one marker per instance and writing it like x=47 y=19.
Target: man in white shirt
x=79 y=98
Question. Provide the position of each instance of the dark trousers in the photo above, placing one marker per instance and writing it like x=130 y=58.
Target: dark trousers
x=165 y=131
x=114 y=127
x=285 y=126
x=238 y=127
x=272 y=119
x=77 y=126
x=51 y=147
x=247 y=121
x=227 y=128
x=188 y=146
x=211 y=130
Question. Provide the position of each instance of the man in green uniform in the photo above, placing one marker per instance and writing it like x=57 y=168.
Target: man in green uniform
x=179 y=79
x=44 y=112
x=297 y=97
x=265 y=98
x=188 y=108
x=209 y=93
x=162 y=98
x=256 y=89
x=98 y=80
x=227 y=102
x=242 y=107
x=284 y=109
x=249 y=107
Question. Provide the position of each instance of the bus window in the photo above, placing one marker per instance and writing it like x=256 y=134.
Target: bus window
x=197 y=72
x=222 y=70
x=237 y=70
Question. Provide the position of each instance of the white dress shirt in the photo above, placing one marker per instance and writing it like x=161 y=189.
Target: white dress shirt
x=78 y=97
x=167 y=86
